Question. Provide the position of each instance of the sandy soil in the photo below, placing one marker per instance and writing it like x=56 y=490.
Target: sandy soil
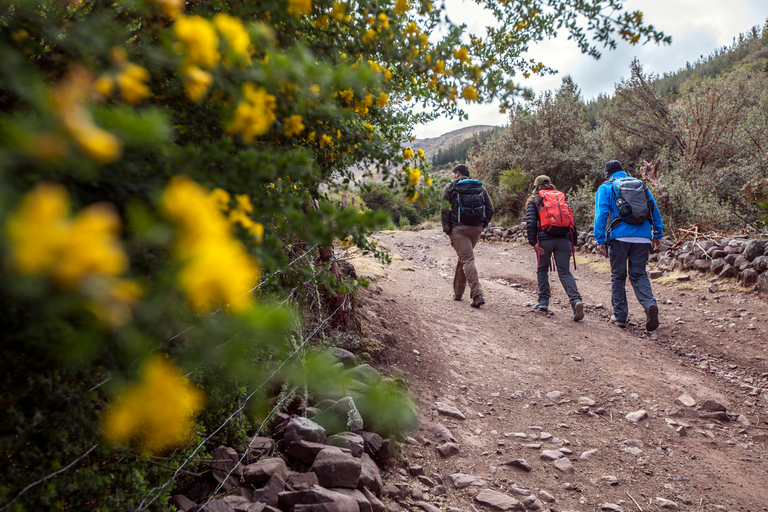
x=500 y=364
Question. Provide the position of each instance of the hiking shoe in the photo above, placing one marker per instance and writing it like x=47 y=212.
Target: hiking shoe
x=457 y=297
x=620 y=323
x=578 y=311
x=652 y=317
x=543 y=305
x=477 y=301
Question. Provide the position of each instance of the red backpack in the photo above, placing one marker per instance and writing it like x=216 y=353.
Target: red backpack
x=554 y=213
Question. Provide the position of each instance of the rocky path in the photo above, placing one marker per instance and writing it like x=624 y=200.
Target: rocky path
x=523 y=409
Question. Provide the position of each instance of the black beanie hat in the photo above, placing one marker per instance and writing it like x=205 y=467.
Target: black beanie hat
x=462 y=169
x=612 y=167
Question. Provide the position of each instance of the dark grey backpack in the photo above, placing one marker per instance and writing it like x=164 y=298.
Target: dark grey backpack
x=633 y=201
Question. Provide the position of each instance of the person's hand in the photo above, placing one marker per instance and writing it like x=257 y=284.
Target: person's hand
x=538 y=250
x=602 y=250
x=655 y=244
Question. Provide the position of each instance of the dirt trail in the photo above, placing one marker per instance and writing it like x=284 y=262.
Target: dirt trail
x=568 y=386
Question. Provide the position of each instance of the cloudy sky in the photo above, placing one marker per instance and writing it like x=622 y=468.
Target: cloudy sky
x=697 y=28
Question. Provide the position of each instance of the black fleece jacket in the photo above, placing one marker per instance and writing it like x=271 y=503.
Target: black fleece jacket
x=533 y=226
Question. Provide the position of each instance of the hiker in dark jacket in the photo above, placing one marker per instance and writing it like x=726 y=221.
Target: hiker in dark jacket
x=464 y=237
x=546 y=245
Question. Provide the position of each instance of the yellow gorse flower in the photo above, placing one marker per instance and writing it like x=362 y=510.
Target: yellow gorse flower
x=132 y=81
x=299 y=7
x=196 y=83
x=159 y=410
x=462 y=54
x=339 y=10
x=216 y=269
x=91 y=247
x=69 y=100
x=401 y=7
x=382 y=100
x=413 y=176
x=255 y=115
x=170 y=8
x=221 y=198
x=293 y=125
x=45 y=241
x=469 y=93
x=199 y=40
x=236 y=35
x=407 y=153
x=383 y=21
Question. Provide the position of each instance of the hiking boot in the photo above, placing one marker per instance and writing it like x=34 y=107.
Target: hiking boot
x=477 y=301
x=457 y=297
x=652 y=317
x=620 y=323
x=578 y=311
x=543 y=305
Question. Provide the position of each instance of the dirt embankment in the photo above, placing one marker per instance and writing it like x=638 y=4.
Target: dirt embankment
x=537 y=386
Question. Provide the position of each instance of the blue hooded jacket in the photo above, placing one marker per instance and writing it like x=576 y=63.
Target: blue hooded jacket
x=606 y=211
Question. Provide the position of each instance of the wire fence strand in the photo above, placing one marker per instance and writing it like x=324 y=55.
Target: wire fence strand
x=49 y=476
x=159 y=490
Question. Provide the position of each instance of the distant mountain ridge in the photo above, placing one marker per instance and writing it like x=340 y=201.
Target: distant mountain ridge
x=432 y=145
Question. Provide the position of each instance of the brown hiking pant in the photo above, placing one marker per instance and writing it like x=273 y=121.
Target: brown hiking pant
x=463 y=240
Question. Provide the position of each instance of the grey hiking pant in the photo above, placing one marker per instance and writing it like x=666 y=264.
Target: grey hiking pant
x=561 y=248
x=629 y=258
x=463 y=240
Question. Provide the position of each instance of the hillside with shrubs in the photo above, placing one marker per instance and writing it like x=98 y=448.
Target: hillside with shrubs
x=702 y=132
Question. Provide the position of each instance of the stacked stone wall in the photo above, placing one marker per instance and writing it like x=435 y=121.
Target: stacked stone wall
x=739 y=257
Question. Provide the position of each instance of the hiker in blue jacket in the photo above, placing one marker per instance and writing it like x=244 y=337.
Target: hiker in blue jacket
x=627 y=246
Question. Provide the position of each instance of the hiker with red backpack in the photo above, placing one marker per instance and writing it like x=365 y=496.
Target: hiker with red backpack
x=466 y=211
x=552 y=233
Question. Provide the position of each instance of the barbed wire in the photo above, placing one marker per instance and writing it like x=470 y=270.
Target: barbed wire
x=248 y=448
x=49 y=476
x=144 y=503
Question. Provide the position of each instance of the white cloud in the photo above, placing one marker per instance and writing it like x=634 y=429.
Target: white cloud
x=697 y=27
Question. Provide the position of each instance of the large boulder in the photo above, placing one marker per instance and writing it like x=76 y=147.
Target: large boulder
x=335 y=468
x=260 y=472
x=370 y=476
x=717 y=265
x=303 y=429
x=702 y=265
x=762 y=283
x=748 y=277
x=316 y=499
x=359 y=497
x=760 y=263
x=342 y=415
x=352 y=442
x=345 y=357
x=268 y=493
x=364 y=373
x=305 y=451
x=753 y=249
x=227 y=460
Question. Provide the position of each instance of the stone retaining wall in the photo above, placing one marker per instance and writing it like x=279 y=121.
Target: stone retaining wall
x=737 y=257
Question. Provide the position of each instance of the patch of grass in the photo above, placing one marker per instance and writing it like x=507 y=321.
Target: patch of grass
x=594 y=261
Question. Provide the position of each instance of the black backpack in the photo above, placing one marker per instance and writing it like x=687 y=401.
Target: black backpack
x=469 y=205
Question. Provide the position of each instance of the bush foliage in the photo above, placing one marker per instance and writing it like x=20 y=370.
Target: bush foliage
x=704 y=144
x=165 y=179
